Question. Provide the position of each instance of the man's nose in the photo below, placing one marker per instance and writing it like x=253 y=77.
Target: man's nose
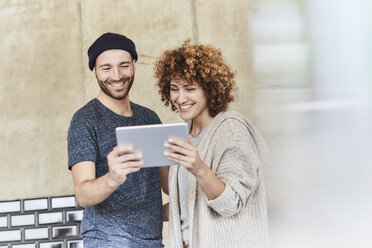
x=117 y=75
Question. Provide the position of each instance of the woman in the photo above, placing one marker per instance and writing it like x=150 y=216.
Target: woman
x=217 y=196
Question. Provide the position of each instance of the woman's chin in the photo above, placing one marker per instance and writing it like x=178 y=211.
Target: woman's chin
x=184 y=117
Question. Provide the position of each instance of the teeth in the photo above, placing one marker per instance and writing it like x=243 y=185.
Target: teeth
x=185 y=106
x=117 y=84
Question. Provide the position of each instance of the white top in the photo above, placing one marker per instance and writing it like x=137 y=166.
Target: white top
x=182 y=193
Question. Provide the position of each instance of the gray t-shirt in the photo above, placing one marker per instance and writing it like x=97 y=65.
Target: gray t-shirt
x=183 y=175
x=132 y=215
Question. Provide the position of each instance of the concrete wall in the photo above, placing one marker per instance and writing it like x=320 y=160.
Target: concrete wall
x=41 y=85
x=45 y=79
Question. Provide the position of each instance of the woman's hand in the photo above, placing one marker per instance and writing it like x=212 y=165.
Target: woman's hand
x=186 y=155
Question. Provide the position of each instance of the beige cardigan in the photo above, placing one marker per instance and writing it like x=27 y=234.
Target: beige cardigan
x=235 y=152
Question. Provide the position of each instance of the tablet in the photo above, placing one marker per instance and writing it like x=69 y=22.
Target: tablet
x=150 y=139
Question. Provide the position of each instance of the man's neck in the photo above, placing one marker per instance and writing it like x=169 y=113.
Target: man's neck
x=120 y=107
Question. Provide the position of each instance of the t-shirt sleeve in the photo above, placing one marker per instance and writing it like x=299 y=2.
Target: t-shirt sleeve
x=157 y=119
x=154 y=118
x=81 y=141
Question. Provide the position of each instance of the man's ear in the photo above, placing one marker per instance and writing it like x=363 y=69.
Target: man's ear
x=94 y=70
x=134 y=65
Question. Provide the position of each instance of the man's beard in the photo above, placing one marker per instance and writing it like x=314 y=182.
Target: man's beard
x=124 y=79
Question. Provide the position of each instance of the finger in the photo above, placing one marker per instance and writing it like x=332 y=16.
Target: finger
x=180 y=162
x=123 y=149
x=129 y=157
x=133 y=164
x=131 y=170
x=124 y=170
x=117 y=165
x=189 y=139
x=177 y=161
x=178 y=149
x=119 y=150
x=129 y=164
x=177 y=157
x=178 y=142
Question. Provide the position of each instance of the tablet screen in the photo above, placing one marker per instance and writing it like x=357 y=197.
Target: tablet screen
x=150 y=139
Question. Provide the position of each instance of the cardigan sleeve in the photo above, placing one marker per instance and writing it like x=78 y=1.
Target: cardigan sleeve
x=236 y=162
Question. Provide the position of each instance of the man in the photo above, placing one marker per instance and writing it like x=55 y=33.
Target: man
x=123 y=206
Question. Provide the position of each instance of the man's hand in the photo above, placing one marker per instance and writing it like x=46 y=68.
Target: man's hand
x=123 y=161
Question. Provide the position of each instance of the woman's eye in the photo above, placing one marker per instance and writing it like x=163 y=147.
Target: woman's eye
x=190 y=89
x=173 y=89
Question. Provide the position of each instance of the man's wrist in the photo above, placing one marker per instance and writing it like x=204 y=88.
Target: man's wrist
x=111 y=182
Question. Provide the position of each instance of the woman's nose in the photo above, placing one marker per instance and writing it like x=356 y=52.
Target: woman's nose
x=182 y=97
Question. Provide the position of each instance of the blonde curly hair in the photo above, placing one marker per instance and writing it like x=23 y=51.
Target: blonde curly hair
x=201 y=64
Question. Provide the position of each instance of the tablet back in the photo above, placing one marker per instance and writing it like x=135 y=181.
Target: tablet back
x=150 y=139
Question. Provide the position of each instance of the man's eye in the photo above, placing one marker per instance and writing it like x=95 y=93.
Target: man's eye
x=123 y=66
x=106 y=68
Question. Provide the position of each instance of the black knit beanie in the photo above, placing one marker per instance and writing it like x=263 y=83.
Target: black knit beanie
x=109 y=41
